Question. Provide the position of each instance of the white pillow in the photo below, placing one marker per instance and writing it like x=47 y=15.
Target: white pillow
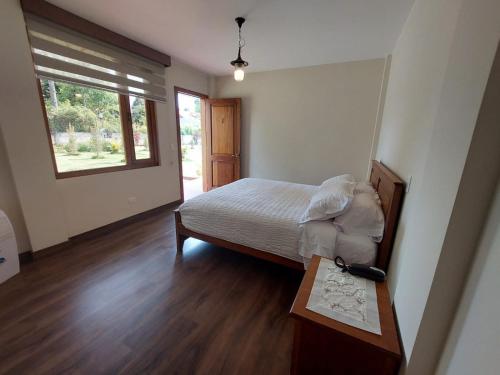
x=364 y=217
x=339 y=179
x=367 y=187
x=332 y=199
x=354 y=248
x=364 y=187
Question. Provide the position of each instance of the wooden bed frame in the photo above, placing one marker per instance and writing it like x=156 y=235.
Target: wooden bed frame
x=390 y=189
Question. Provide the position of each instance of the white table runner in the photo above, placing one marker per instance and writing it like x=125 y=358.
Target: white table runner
x=341 y=296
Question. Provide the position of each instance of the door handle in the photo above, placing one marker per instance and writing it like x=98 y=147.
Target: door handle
x=236 y=155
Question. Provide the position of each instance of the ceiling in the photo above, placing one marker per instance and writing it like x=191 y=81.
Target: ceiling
x=279 y=33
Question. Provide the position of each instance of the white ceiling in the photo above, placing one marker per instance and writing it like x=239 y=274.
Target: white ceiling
x=279 y=33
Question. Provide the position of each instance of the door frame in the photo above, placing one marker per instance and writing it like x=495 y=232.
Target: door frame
x=202 y=97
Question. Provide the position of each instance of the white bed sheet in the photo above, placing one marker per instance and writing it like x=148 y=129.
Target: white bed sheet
x=324 y=239
x=258 y=213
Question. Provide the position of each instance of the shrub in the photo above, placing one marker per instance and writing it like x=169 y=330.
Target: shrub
x=112 y=125
x=84 y=147
x=59 y=148
x=187 y=130
x=137 y=138
x=107 y=146
x=115 y=147
x=184 y=151
x=143 y=129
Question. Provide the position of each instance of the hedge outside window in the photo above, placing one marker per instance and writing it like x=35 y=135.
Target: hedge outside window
x=97 y=131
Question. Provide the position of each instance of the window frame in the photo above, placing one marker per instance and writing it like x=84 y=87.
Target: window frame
x=128 y=139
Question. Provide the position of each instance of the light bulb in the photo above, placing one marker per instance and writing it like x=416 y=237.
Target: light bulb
x=239 y=74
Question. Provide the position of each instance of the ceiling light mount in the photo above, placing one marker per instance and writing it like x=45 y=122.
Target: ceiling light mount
x=240 y=21
x=239 y=63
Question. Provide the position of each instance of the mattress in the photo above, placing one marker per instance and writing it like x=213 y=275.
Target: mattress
x=261 y=214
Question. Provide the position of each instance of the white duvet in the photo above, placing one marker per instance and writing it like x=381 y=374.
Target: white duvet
x=262 y=214
x=265 y=215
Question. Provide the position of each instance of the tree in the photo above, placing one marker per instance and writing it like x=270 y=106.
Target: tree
x=96 y=141
x=52 y=93
x=96 y=101
x=71 y=147
x=196 y=136
x=138 y=110
x=80 y=117
x=187 y=130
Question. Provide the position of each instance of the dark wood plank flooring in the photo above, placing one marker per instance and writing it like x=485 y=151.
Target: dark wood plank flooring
x=126 y=303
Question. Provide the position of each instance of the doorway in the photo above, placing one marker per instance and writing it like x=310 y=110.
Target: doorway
x=188 y=106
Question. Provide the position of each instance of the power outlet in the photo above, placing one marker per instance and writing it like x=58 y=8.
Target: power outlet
x=408 y=183
x=132 y=200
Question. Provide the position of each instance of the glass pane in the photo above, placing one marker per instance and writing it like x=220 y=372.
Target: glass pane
x=139 y=127
x=190 y=124
x=85 y=126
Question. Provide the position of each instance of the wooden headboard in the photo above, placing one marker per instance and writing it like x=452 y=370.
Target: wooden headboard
x=390 y=188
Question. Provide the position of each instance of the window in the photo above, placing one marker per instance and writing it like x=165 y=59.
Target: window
x=95 y=131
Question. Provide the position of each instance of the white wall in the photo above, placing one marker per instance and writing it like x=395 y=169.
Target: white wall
x=307 y=124
x=24 y=133
x=439 y=70
x=473 y=346
x=473 y=201
x=9 y=202
x=57 y=209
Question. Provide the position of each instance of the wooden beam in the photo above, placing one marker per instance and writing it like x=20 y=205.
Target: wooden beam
x=59 y=16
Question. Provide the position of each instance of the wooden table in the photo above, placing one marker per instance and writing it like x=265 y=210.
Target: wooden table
x=323 y=345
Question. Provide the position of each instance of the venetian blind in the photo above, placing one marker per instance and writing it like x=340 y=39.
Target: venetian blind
x=65 y=55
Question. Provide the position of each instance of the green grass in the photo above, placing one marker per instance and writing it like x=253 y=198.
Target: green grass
x=84 y=160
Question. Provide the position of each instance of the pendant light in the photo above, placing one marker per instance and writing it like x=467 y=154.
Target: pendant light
x=239 y=63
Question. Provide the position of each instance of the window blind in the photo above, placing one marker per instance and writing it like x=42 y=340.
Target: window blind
x=64 y=55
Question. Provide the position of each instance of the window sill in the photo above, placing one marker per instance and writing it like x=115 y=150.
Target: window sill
x=88 y=172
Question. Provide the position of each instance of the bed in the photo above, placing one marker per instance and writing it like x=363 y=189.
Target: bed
x=260 y=218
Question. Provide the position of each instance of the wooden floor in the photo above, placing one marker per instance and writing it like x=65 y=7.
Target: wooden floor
x=125 y=302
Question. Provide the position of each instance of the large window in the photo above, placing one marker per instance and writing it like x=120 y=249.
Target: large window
x=96 y=131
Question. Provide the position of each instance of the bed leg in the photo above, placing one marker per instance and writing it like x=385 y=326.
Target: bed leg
x=180 y=238
x=180 y=242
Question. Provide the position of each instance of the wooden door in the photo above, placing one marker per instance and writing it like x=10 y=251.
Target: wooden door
x=222 y=139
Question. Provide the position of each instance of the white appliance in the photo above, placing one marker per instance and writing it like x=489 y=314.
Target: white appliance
x=9 y=258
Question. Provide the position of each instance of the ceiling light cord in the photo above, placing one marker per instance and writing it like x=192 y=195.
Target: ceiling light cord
x=241 y=41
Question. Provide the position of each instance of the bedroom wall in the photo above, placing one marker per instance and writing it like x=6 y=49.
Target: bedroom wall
x=472 y=347
x=467 y=220
x=9 y=201
x=439 y=70
x=103 y=198
x=307 y=124
x=57 y=209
